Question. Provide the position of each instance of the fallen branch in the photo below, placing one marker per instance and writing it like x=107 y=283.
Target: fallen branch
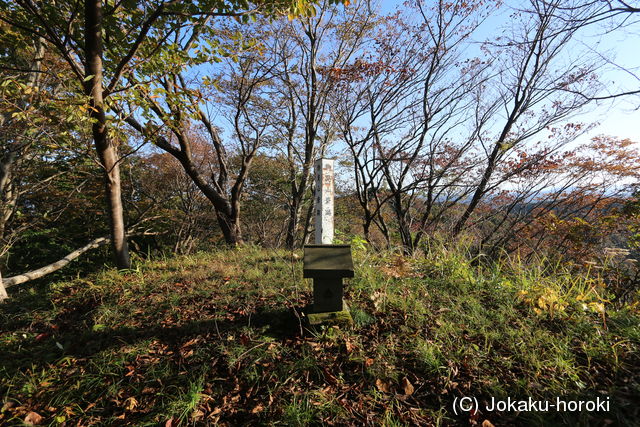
x=3 y=291
x=43 y=271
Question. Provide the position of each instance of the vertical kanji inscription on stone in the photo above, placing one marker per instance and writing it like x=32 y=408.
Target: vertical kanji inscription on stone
x=324 y=201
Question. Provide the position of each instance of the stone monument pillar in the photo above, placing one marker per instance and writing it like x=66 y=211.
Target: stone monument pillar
x=327 y=264
x=324 y=201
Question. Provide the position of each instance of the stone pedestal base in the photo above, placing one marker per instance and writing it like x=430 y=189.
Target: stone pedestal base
x=342 y=317
x=327 y=265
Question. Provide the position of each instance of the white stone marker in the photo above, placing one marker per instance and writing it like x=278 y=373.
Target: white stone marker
x=324 y=201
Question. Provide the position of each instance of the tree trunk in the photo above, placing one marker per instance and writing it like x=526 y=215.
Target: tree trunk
x=6 y=207
x=227 y=212
x=403 y=225
x=479 y=193
x=7 y=194
x=297 y=199
x=105 y=149
x=366 y=229
x=292 y=224
x=307 y=221
x=227 y=208
x=230 y=226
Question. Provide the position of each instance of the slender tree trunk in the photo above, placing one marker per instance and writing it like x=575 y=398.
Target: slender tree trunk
x=479 y=193
x=403 y=226
x=7 y=195
x=382 y=226
x=366 y=229
x=105 y=149
x=295 y=210
x=292 y=224
x=298 y=192
x=307 y=221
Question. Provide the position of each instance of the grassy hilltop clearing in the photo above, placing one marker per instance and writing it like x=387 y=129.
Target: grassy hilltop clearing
x=165 y=165
x=219 y=338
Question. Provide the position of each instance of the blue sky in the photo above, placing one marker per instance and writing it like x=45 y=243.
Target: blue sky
x=619 y=117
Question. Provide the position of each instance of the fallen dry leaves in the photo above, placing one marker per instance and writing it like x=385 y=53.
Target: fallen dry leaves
x=33 y=419
x=407 y=387
x=383 y=386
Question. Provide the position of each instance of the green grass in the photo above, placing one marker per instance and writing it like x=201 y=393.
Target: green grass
x=219 y=337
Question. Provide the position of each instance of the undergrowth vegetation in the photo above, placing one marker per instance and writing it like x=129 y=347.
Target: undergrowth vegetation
x=220 y=338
